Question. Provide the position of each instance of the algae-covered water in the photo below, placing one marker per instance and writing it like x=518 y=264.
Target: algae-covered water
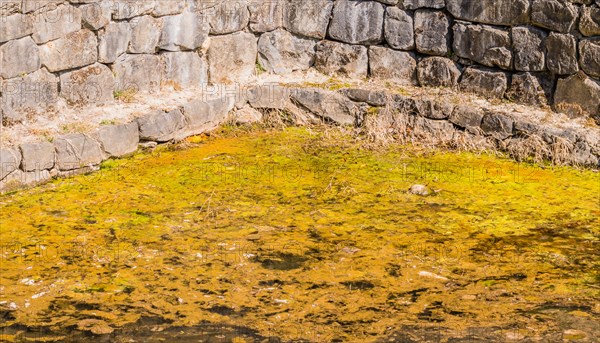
x=303 y=235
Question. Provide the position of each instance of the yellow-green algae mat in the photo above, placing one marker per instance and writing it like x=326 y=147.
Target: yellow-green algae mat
x=300 y=235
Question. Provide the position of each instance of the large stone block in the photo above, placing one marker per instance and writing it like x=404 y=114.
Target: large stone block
x=438 y=72
x=589 y=22
x=582 y=92
x=96 y=15
x=20 y=179
x=399 y=66
x=186 y=69
x=327 y=104
x=10 y=159
x=561 y=53
x=307 y=18
x=56 y=23
x=206 y=114
x=483 y=44
x=335 y=58
x=467 y=116
x=174 y=38
x=270 y=96
x=371 y=97
x=167 y=7
x=529 y=48
x=266 y=15
x=497 y=12
x=19 y=57
x=557 y=15
x=15 y=26
x=113 y=41
x=399 y=29
x=432 y=32
x=227 y=16
x=160 y=126
x=281 y=52
x=589 y=56
x=119 y=140
x=497 y=125
x=93 y=84
x=137 y=72
x=82 y=50
x=232 y=58
x=357 y=22
x=30 y=94
x=526 y=88
x=145 y=34
x=125 y=9
x=76 y=150
x=37 y=156
x=39 y=6
x=416 y=4
x=485 y=82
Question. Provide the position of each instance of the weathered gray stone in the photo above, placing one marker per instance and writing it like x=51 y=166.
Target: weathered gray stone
x=526 y=88
x=37 y=156
x=174 y=38
x=399 y=29
x=76 y=150
x=137 y=72
x=335 y=58
x=328 y=105
x=483 y=44
x=206 y=114
x=497 y=125
x=438 y=72
x=93 y=84
x=125 y=9
x=437 y=130
x=580 y=91
x=467 y=116
x=432 y=32
x=498 y=12
x=20 y=179
x=589 y=22
x=357 y=22
x=39 y=6
x=56 y=23
x=227 y=16
x=247 y=115
x=113 y=41
x=398 y=66
x=10 y=159
x=485 y=82
x=186 y=69
x=167 y=7
x=32 y=93
x=15 y=26
x=232 y=58
x=557 y=15
x=119 y=140
x=281 y=52
x=589 y=56
x=9 y=116
x=145 y=34
x=96 y=15
x=270 y=96
x=266 y=15
x=561 y=53
x=19 y=57
x=371 y=97
x=416 y=4
x=433 y=109
x=529 y=49
x=81 y=47
x=307 y=18
x=160 y=126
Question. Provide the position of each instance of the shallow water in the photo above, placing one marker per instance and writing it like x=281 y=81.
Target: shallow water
x=303 y=236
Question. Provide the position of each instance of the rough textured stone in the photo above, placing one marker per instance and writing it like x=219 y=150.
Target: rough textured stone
x=8 y=7
x=167 y=7
x=39 y=6
x=269 y=96
x=484 y=82
x=266 y=15
x=125 y=9
x=497 y=125
x=307 y=18
x=483 y=44
x=247 y=115
x=232 y=58
x=580 y=91
x=557 y=15
x=438 y=71
x=328 y=105
x=10 y=159
x=137 y=72
x=76 y=150
x=15 y=26
x=174 y=38
x=186 y=69
x=399 y=29
x=145 y=34
x=589 y=56
x=371 y=97
x=390 y=64
x=526 y=88
x=438 y=130
x=88 y=85
x=529 y=49
x=357 y=22
x=81 y=46
x=432 y=34
x=561 y=54
x=206 y=114
x=56 y=23
x=96 y=15
x=335 y=58
x=589 y=22
x=19 y=57
x=466 y=116
x=37 y=156
x=119 y=140
x=32 y=93
x=498 y=12
x=20 y=179
x=433 y=109
x=160 y=126
x=8 y=115
x=416 y=4
x=281 y=52
x=228 y=17
x=113 y=41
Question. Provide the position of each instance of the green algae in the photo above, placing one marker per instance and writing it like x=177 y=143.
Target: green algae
x=304 y=234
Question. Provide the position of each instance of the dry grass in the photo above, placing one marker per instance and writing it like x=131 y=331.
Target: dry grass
x=126 y=95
